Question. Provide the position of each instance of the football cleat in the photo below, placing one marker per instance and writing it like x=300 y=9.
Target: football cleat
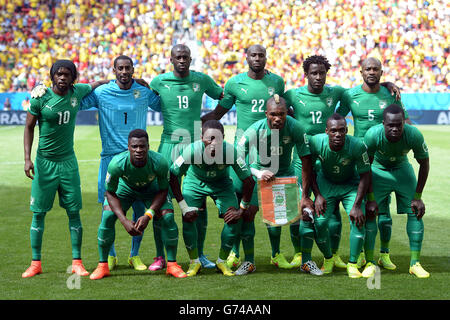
x=311 y=267
x=173 y=269
x=245 y=268
x=328 y=265
x=112 y=262
x=296 y=260
x=100 y=272
x=159 y=264
x=78 y=268
x=385 y=262
x=233 y=261
x=361 y=262
x=352 y=271
x=280 y=261
x=418 y=271
x=338 y=263
x=194 y=268
x=223 y=267
x=369 y=270
x=206 y=263
x=34 y=269
x=136 y=263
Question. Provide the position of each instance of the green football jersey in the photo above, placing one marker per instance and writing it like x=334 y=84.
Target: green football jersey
x=313 y=110
x=261 y=145
x=250 y=97
x=181 y=103
x=139 y=179
x=56 y=118
x=366 y=108
x=341 y=166
x=193 y=161
x=394 y=155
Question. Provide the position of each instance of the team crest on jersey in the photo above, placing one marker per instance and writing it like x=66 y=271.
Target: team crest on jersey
x=329 y=101
x=240 y=162
x=150 y=177
x=382 y=104
x=271 y=91
x=425 y=147
x=365 y=157
x=221 y=166
x=108 y=177
x=74 y=102
x=136 y=94
x=179 y=162
x=196 y=86
x=286 y=139
x=345 y=161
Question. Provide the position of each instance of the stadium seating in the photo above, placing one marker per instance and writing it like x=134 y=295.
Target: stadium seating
x=408 y=36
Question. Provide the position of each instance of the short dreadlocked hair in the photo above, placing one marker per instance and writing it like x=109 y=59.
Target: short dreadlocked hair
x=316 y=59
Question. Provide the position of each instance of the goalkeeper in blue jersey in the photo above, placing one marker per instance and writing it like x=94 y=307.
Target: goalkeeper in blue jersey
x=122 y=107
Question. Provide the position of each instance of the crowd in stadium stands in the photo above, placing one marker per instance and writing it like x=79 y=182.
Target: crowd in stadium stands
x=410 y=38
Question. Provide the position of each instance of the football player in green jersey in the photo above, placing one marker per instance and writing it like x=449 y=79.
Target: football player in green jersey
x=205 y=164
x=268 y=144
x=343 y=176
x=56 y=167
x=137 y=174
x=388 y=145
x=366 y=102
x=181 y=93
x=249 y=93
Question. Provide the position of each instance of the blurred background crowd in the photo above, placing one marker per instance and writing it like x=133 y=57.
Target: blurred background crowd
x=411 y=38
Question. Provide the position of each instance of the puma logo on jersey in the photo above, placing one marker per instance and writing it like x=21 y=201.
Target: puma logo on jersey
x=48 y=107
x=301 y=101
x=167 y=86
x=245 y=90
x=356 y=102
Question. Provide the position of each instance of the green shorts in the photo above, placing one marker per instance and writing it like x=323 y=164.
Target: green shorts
x=238 y=185
x=195 y=192
x=171 y=151
x=335 y=193
x=55 y=176
x=402 y=181
x=127 y=196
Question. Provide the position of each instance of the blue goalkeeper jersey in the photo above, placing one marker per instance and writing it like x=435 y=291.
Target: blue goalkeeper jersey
x=119 y=112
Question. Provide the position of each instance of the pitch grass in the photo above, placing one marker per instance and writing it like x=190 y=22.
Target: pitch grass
x=267 y=282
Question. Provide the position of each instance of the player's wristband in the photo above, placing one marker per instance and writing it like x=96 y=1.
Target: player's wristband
x=150 y=213
x=371 y=196
x=183 y=206
x=417 y=196
x=257 y=173
x=244 y=205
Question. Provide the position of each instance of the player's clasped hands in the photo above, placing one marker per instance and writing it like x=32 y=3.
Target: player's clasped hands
x=232 y=215
x=132 y=227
